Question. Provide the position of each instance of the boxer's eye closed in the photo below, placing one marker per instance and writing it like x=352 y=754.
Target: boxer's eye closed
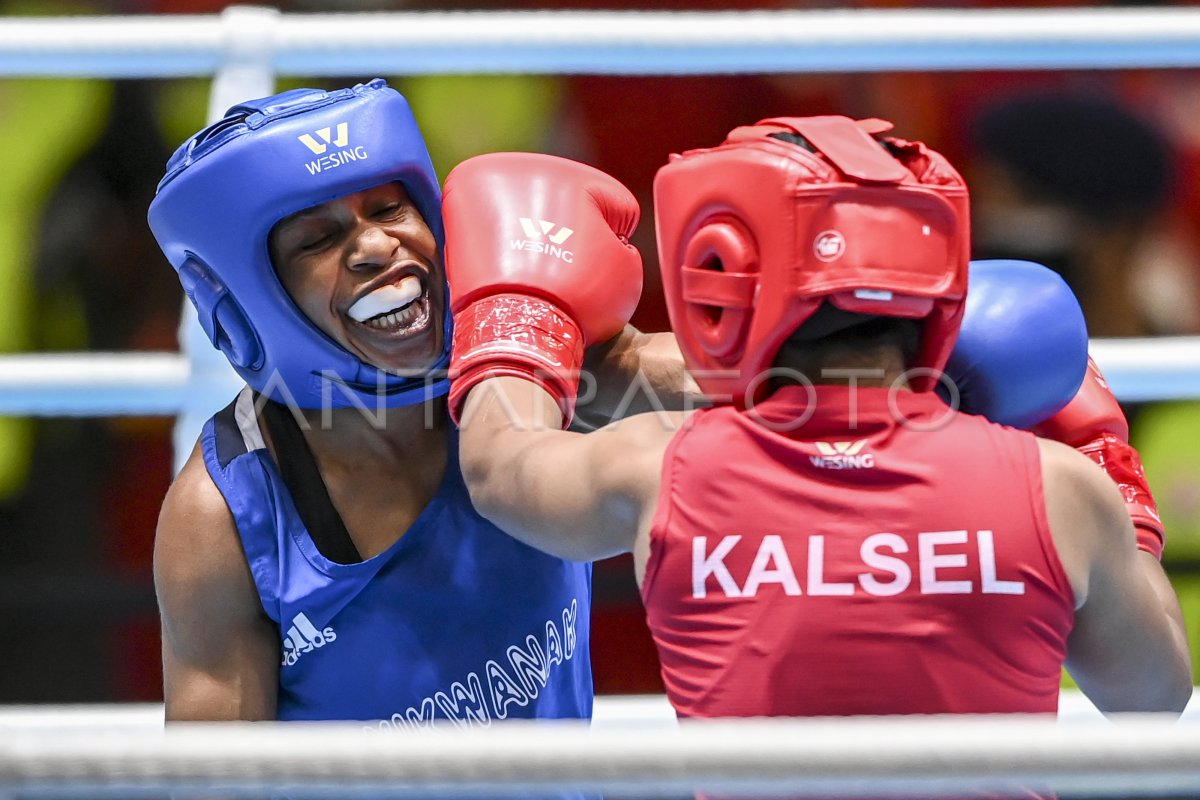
x=315 y=242
x=301 y=237
x=391 y=211
x=311 y=236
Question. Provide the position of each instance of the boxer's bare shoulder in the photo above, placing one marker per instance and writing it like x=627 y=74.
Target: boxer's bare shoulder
x=1081 y=507
x=219 y=649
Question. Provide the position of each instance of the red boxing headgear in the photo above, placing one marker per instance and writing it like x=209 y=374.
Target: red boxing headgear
x=753 y=235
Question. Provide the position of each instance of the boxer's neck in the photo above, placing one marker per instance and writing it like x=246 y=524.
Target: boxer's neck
x=881 y=366
x=387 y=433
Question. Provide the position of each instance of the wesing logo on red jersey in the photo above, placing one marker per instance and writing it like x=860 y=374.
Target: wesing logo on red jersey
x=842 y=455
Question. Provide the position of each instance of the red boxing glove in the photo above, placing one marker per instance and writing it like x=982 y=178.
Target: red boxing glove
x=540 y=266
x=1094 y=424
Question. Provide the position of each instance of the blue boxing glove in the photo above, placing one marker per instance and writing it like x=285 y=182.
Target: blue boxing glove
x=1022 y=351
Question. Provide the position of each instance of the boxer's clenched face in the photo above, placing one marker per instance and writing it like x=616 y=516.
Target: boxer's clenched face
x=365 y=269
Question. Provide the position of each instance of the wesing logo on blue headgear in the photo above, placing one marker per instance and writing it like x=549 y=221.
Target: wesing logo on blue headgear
x=322 y=139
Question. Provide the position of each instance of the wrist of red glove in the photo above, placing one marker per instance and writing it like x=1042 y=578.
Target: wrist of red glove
x=1094 y=424
x=514 y=335
x=1121 y=462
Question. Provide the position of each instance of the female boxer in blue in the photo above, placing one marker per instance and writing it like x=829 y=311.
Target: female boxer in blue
x=318 y=556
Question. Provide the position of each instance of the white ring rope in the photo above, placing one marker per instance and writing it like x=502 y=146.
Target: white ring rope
x=609 y=711
x=1167 y=368
x=118 y=751
x=630 y=42
x=95 y=384
x=1140 y=756
x=104 y=384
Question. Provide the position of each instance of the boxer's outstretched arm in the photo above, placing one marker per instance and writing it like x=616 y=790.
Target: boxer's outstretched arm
x=220 y=651
x=576 y=496
x=634 y=373
x=1128 y=650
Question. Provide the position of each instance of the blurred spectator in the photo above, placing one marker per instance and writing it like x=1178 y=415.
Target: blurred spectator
x=94 y=246
x=1079 y=182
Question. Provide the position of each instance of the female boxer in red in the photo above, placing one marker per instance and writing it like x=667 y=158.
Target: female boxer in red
x=831 y=537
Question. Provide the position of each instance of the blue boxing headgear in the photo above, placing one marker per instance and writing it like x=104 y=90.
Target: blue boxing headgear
x=227 y=187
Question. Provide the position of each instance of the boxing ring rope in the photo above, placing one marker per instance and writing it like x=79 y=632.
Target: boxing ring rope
x=633 y=745
x=620 y=43
x=1139 y=756
x=112 y=384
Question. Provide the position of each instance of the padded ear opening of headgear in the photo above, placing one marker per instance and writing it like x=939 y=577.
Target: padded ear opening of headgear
x=720 y=282
x=236 y=337
x=220 y=316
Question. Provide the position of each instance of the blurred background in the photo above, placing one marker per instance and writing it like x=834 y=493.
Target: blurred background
x=1096 y=174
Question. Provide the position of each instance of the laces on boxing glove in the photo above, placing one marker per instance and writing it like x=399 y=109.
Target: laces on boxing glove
x=1121 y=461
x=514 y=335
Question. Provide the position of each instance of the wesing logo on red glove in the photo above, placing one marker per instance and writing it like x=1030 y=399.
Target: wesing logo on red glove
x=541 y=237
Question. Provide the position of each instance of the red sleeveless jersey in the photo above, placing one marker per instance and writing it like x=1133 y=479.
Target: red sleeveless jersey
x=887 y=556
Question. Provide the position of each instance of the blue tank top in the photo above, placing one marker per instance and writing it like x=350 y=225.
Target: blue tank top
x=456 y=621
